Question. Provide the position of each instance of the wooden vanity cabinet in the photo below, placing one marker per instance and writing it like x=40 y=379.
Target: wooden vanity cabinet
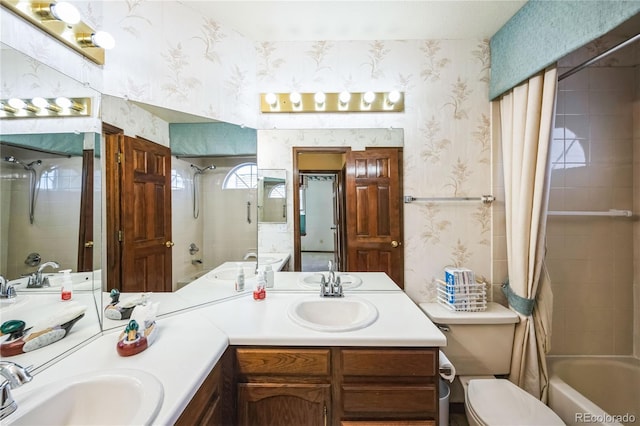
x=336 y=386
x=283 y=386
x=213 y=403
x=392 y=385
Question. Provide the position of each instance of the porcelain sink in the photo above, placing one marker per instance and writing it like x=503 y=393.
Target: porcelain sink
x=312 y=280
x=229 y=274
x=267 y=260
x=112 y=397
x=333 y=314
x=81 y=281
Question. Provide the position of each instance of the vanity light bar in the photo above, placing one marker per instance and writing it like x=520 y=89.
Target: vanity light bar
x=77 y=35
x=332 y=102
x=45 y=107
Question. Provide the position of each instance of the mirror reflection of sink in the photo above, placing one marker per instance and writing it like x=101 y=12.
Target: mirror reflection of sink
x=14 y=302
x=111 y=397
x=229 y=274
x=312 y=280
x=266 y=260
x=333 y=314
x=81 y=281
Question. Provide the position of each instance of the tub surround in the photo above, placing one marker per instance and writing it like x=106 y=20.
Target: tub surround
x=238 y=320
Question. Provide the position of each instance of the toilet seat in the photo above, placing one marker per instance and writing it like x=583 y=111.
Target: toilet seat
x=499 y=402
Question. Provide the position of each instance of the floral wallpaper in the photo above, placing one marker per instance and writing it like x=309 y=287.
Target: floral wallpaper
x=446 y=136
x=169 y=55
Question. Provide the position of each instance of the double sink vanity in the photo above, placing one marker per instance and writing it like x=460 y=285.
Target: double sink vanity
x=292 y=358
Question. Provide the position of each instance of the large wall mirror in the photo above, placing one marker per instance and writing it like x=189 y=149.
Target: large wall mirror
x=49 y=208
x=214 y=209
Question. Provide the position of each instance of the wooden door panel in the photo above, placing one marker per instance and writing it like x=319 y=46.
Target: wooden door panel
x=374 y=205
x=145 y=215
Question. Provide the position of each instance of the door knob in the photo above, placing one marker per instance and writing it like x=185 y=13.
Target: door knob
x=88 y=244
x=169 y=244
x=395 y=244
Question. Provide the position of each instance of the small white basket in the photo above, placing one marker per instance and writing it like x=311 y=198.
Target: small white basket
x=465 y=297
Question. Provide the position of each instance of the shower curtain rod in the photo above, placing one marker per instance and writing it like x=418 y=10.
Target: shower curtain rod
x=611 y=213
x=598 y=57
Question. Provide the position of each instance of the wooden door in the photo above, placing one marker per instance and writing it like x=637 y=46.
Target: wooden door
x=85 y=234
x=374 y=212
x=283 y=404
x=140 y=202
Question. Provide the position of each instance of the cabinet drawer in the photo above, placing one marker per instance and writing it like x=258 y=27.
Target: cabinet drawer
x=391 y=362
x=396 y=399
x=290 y=362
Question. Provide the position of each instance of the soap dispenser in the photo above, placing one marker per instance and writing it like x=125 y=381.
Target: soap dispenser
x=268 y=276
x=239 y=284
x=66 y=290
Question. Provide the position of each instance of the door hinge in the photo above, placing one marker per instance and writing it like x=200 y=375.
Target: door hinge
x=119 y=158
x=120 y=235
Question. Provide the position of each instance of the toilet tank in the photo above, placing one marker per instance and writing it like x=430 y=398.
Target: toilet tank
x=478 y=343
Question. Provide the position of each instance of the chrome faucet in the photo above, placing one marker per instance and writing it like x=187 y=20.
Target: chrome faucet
x=6 y=291
x=15 y=376
x=331 y=287
x=39 y=281
x=251 y=254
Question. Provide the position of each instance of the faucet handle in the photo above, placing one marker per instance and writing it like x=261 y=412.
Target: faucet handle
x=15 y=374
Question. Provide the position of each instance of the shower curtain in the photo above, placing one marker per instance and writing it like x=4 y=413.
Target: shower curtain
x=526 y=119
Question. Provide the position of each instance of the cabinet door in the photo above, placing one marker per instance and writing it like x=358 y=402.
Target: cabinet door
x=275 y=404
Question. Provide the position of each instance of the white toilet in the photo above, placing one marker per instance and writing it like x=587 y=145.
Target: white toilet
x=479 y=346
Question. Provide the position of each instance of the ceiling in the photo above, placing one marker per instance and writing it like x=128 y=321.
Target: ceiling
x=304 y=20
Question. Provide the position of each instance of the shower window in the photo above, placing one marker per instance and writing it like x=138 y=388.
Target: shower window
x=243 y=176
x=277 y=191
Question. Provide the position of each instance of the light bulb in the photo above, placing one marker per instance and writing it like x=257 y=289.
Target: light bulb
x=63 y=102
x=17 y=103
x=319 y=97
x=368 y=97
x=295 y=98
x=394 y=96
x=65 y=12
x=344 y=97
x=40 y=102
x=103 y=39
x=271 y=99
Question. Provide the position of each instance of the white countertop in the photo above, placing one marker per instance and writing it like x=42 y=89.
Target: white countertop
x=184 y=353
x=237 y=319
x=249 y=322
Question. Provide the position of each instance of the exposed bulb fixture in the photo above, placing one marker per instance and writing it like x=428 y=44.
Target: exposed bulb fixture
x=66 y=103
x=344 y=98
x=319 y=98
x=65 y=12
x=368 y=98
x=17 y=103
x=295 y=98
x=271 y=99
x=394 y=96
x=103 y=39
x=40 y=102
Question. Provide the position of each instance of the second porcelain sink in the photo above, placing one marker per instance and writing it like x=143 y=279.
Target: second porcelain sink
x=112 y=397
x=333 y=314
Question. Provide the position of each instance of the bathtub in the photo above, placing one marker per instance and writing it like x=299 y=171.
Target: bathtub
x=595 y=390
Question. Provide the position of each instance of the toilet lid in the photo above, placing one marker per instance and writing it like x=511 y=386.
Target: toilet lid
x=500 y=402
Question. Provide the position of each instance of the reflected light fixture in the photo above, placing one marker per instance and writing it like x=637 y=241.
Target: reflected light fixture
x=332 y=102
x=39 y=107
x=63 y=21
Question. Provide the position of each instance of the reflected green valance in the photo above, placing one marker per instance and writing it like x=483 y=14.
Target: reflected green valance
x=212 y=139
x=59 y=143
x=542 y=32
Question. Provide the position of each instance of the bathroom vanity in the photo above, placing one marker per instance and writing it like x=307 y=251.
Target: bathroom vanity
x=241 y=361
